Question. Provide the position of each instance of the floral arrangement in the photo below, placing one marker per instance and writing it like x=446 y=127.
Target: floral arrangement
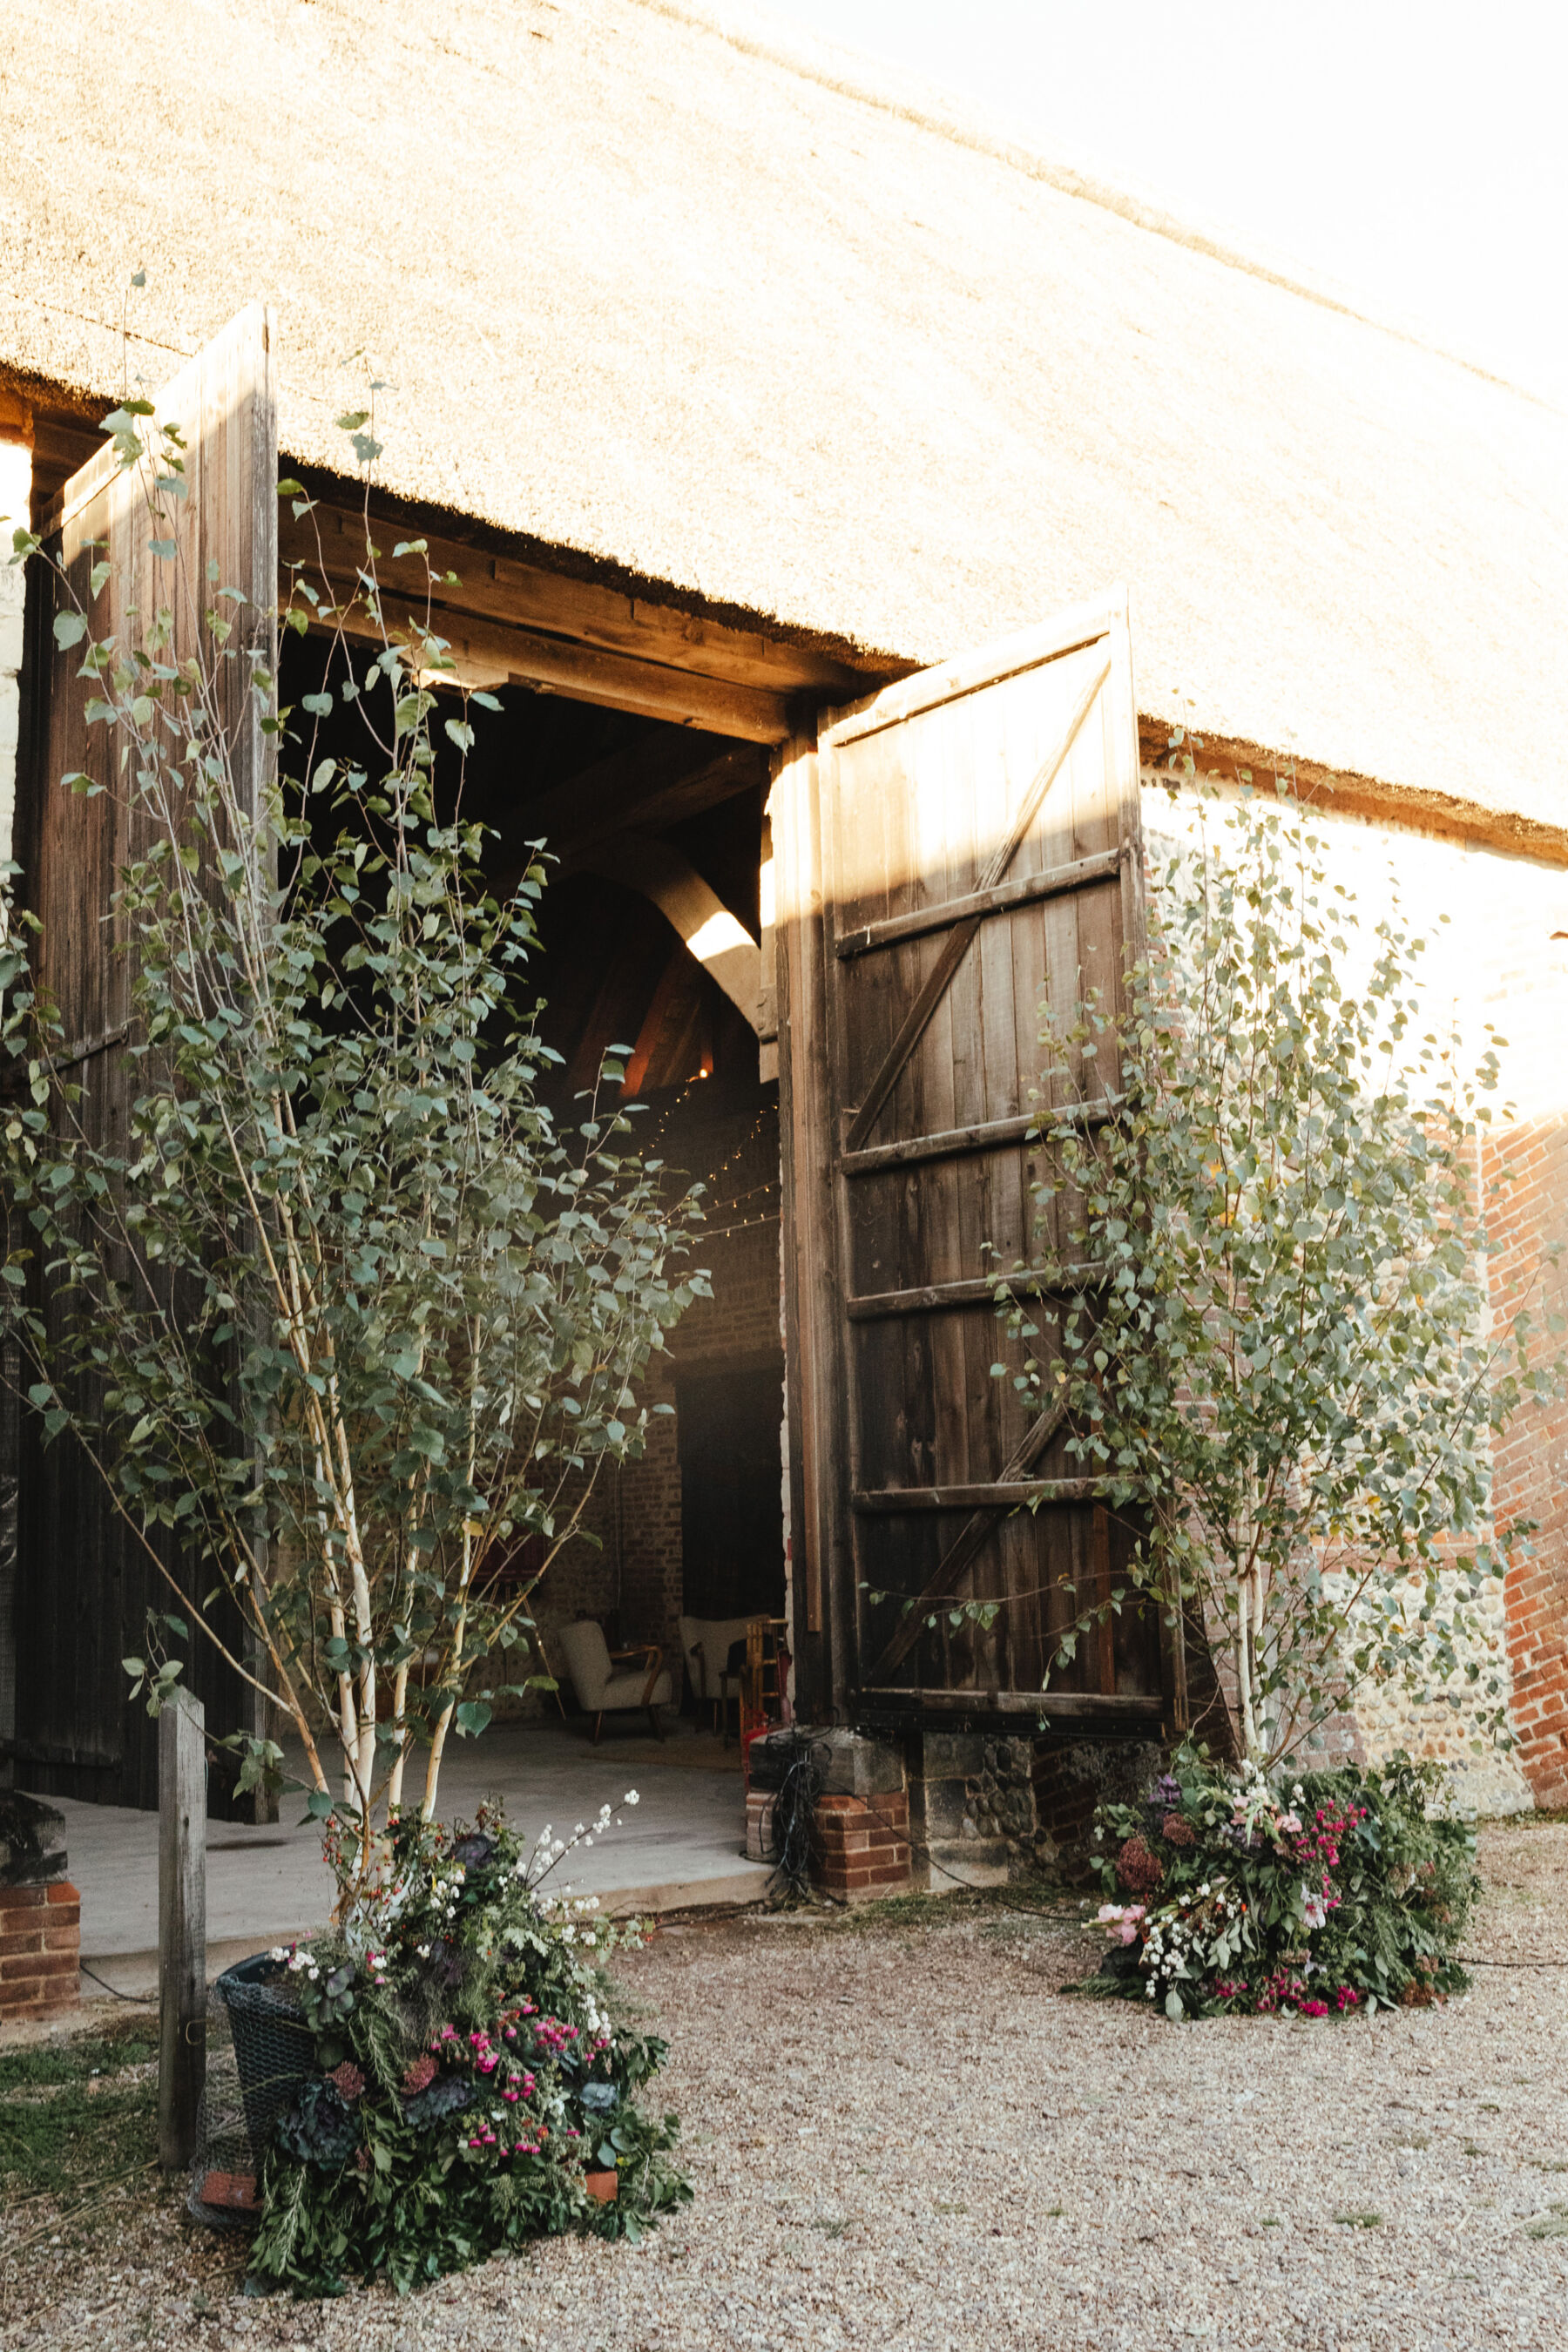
x=1335 y=1892
x=471 y=2073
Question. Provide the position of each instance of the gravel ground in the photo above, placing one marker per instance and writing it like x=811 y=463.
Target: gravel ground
x=901 y=2134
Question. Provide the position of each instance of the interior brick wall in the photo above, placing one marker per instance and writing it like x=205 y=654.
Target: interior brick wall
x=627 y=1562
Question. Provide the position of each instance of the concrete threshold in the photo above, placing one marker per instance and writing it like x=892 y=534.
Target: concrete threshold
x=133 y=1976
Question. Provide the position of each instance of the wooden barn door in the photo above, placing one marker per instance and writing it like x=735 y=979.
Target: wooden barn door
x=84 y=1580
x=948 y=851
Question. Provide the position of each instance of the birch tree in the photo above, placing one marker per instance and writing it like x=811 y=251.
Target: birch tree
x=349 y=1318
x=1283 y=1346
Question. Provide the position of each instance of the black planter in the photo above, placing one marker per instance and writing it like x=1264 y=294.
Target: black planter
x=273 y=2049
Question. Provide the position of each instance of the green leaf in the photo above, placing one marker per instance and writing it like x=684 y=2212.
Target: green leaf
x=70 y=630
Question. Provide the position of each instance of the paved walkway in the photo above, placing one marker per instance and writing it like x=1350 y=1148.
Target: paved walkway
x=681 y=1845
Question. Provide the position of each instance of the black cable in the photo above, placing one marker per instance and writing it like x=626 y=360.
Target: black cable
x=794 y=1810
x=144 y=2000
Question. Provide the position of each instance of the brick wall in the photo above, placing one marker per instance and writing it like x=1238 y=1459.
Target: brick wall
x=41 y=1949
x=1532 y=1464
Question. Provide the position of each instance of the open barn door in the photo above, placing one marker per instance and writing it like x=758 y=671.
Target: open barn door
x=945 y=852
x=84 y=1580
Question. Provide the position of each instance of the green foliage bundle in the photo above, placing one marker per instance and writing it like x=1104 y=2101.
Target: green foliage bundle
x=343 y=1317
x=471 y=2073
x=1278 y=1349
x=1231 y=1895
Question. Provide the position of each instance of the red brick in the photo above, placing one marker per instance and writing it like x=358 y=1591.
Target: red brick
x=67 y=1937
x=38 y=1964
x=21 y=1898
x=11 y=1944
x=62 y=1891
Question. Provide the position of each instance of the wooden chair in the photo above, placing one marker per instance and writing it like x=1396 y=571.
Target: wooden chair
x=600 y=1691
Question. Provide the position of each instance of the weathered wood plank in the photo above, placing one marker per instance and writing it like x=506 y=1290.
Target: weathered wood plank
x=971 y=673
x=491 y=586
x=956 y=945
x=182 y=1927
x=980 y=904
x=489 y=653
x=1044 y=1281
x=994 y=1494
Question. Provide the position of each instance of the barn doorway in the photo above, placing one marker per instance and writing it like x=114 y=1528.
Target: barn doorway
x=731 y=1508
x=651 y=928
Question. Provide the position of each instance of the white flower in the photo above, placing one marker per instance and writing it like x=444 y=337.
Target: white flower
x=631 y=1798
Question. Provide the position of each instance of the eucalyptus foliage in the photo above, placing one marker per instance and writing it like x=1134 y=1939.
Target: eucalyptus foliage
x=1282 y=1349
x=347 y=1318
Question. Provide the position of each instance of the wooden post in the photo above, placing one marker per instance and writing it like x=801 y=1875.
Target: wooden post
x=182 y=1926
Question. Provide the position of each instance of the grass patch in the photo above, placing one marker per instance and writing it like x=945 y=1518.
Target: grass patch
x=76 y=2112
x=1368 y=2220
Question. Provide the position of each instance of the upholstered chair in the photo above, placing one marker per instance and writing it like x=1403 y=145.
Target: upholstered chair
x=608 y=1682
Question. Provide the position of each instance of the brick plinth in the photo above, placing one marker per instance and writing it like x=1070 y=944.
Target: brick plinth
x=862 y=1847
x=41 y=1949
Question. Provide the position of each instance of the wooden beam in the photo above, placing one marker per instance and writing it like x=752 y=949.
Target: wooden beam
x=945 y=1145
x=949 y=1142
x=997 y=1495
x=592 y=615
x=182 y=1926
x=490 y=653
x=1057 y=1283
x=712 y=936
x=1054 y=882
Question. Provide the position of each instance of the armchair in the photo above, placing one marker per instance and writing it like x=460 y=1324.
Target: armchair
x=600 y=1689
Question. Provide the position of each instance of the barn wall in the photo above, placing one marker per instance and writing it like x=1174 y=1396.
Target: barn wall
x=1496 y=960
x=15 y=495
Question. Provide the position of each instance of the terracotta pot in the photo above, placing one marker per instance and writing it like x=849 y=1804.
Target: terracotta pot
x=602 y=2185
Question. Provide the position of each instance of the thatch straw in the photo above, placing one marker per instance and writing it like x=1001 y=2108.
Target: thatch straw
x=663 y=298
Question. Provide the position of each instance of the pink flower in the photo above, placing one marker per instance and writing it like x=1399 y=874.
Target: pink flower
x=1120 y=1920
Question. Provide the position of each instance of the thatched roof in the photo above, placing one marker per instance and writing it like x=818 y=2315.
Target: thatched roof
x=661 y=296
